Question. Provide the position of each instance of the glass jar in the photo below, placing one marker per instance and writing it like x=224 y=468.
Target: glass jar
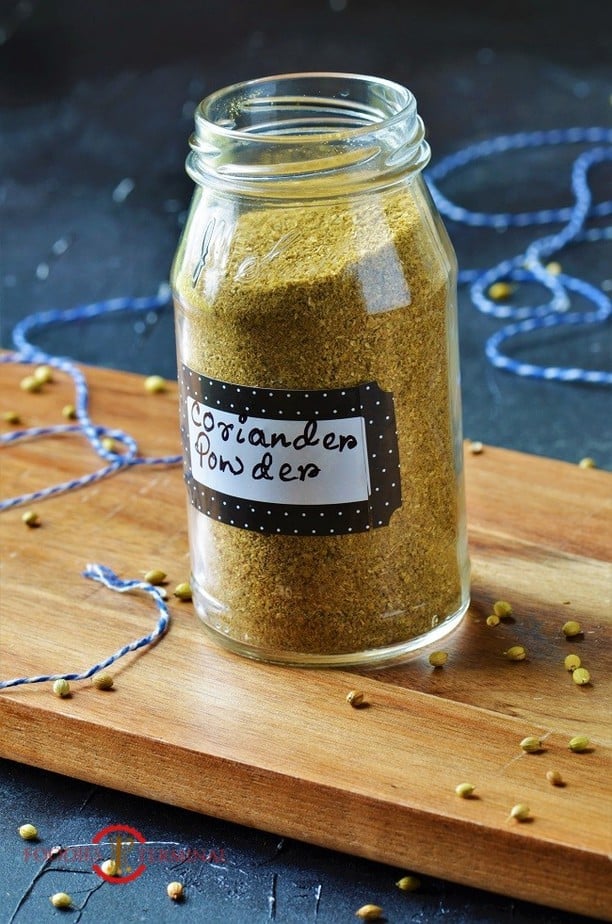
x=315 y=303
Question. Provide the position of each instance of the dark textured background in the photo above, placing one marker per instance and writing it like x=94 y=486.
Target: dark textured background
x=93 y=93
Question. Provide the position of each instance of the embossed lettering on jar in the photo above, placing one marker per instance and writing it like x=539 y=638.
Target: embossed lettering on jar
x=315 y=305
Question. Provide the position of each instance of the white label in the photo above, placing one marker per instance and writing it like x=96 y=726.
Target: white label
x=303 y=462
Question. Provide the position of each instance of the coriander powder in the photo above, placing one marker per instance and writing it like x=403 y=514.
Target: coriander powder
x=314 y=290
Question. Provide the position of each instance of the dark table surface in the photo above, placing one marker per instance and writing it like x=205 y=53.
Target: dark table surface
x=93 y=94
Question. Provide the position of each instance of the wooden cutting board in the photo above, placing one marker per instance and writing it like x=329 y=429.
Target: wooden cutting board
x=280 y=749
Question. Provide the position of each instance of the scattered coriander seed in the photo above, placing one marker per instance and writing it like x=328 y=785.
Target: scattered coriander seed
x=516 y=653
x=464 y=790
x=369 y=913
x=502 y=609
x=476 y=447
x=553 y=268
x=61 y=688
x=175 y=891
x=154 y=384
x=109 y=867
x=43 y=374
x=11 y=417
x=531 y=745
x=500 y=290
x=571 y=629
x=493 y=620
x=581 y=676
x=61 y=900
x=438 y=658
x=183 y=591
x=355 y=698
x=29 y=383
x=108 y=443
x=519 y=812
x=579 y=743
x=571 y=662
x=408 y=883
x=554 y=778
x=103 y=681
x=30 y=518
x=69 y=412
x=155 y=576
x=587 y=462
x=28 y=832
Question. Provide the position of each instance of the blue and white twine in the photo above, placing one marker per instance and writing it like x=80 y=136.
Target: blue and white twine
x=107 y=577
x=525 y=267
x=27 y=353
x=528 y=266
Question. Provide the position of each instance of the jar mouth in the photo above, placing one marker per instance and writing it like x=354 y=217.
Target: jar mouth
x=311 y=126
x=321 y=104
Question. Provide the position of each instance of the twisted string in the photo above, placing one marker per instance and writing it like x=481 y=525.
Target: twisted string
x=109 y=579
x=528 y=266
x=28 y=353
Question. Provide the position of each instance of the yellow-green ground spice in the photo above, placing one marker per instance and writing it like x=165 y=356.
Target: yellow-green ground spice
x=355 y=294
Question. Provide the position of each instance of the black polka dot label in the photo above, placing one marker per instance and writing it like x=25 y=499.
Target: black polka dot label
x=323 y=462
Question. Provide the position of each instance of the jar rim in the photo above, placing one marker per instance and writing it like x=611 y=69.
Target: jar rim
x=405 y=106
x=307 y=134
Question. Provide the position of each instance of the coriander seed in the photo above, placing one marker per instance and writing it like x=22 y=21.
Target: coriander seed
x=438 y=658
x=502 y=609
x=30 y=518
x=571 y=629
x=109 y=867
x=408 y=883
x=155 y=384
x=355 y=698
x=43 y=374
x=69 y=411
x=183 y=591
x=516 y=653
x=476 y=447
x=519 y=812
x=571 y=662
x=369 y=913
x=175 y=891
x=579 y=743
x=11 y=417
x=29 y=383
x=464 y=790
x=108 y=443
x=61 y=900
x=492 y=620
x=554 y=778
x=103 y=681
x=587 y=462
x=61 y=688
x=155 y=577
x=531 y=745
x=500 y=291
x=581 y=676
x=28 y=832
x=553 y=268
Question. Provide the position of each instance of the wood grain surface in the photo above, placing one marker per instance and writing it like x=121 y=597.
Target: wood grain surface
x=279 y=748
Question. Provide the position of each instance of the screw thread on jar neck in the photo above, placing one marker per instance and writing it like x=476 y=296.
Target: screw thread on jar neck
x=308 y=135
